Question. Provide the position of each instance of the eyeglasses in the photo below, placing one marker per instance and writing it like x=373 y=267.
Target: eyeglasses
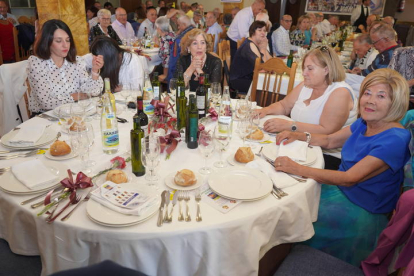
x=324 y=49
x=373 y=43
x=106 y=19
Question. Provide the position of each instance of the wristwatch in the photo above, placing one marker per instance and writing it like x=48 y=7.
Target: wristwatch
x=308 y=137
x=294 y=127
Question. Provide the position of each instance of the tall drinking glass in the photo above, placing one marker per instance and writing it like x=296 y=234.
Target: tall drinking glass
x=81 y=141
x=222 y=139
x=206 y=146
x=125 y=93
x=151 y=157
x=215 y=94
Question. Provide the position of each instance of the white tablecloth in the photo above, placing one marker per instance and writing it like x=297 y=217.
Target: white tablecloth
x=222 y=244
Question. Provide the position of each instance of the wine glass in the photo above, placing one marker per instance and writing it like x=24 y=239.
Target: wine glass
x=215 y=94
x=206 y=146
x=244 y=129
x=151 y=157
x=242 y=109
x=80 y=141
x=85 y=101
x=222 y=139
x=64 y=116
x=125 y=93
x=77 y=115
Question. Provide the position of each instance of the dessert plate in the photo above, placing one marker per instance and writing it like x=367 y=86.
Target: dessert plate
x=169 y=181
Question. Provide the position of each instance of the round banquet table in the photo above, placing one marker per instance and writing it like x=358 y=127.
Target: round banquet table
x=222 y=244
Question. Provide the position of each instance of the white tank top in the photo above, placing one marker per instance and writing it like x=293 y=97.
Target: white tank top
x=311 y=114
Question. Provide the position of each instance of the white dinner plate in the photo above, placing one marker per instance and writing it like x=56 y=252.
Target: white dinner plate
x=240 y=183
x=10 y=184
x=107 y=217
x=60 y=158
x=268 y=117
x=90 y=110
x=232 y=161
x=265 y=138
x=49 y=135
x=271 y=151
x=153 y=50
x=169 y=181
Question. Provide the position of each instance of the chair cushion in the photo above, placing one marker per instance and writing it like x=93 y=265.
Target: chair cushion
x=307 y=261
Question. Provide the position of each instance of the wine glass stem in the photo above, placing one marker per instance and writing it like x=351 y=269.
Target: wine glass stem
x=221 y=156
x=205 y=162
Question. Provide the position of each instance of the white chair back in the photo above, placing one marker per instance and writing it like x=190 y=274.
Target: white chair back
x=12 y=88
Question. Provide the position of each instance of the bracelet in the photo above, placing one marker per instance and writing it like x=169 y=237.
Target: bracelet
x=308 y=137
x=186 y=76
x=96 y=74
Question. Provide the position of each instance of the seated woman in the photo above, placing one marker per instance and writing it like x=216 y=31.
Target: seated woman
x=55 y=73
x=195 y=59
x=355 y=200
x=242 y=67
x=92 y=16
x=302 y=36
x=322 y=103
x=104 y=27
x=121 y=66
x=167 y=38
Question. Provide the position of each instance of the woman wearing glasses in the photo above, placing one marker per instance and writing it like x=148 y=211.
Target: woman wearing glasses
x=356 y=199
x=104 y=27
x=322 y=103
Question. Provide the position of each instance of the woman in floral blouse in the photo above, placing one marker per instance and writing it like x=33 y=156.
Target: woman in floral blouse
x=167 y=38
x=104 y=27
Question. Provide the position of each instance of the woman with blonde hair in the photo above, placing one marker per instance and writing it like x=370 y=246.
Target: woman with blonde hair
x=322 y=103
x=356 y=199
x=302 y=36
x=195 y=59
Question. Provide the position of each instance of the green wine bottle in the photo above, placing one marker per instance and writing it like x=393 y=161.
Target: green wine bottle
x=156 y=86
x=290 y=59
x=181 y=103
x=192 y=124
x=137 y=135
x=141 y=116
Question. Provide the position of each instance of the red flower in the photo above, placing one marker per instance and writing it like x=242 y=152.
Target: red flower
x=119 y=162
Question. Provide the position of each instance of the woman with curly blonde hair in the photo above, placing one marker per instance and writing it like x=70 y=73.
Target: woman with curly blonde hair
x=195 y=59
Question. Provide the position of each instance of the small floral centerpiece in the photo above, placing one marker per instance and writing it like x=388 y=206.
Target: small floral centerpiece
x=163 y=125
x=82 y=182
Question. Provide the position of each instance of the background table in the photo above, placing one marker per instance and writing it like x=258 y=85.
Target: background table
x=222 y=244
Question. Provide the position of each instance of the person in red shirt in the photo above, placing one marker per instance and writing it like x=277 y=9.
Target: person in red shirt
x=6 y=41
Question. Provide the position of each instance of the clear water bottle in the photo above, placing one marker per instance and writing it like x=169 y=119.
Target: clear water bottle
x=109 y=127
x=148 y=95
x=225 y=114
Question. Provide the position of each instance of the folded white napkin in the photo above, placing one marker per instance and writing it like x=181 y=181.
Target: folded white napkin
x=30 y=132
x=296 y=150
x=281 y=179
x=34 y=174
x=121 y=200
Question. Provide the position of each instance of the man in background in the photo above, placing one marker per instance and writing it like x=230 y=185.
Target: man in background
x=363 y=53
x=4 y=7
x=280 y=38
x=213 y=28
x=121 y=26
x=149 y=23
x=360 y=14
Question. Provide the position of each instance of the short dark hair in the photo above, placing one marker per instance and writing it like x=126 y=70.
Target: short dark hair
x=107 y=4
x=94 y=10
x=45 y=40
x=256 y=25
x=151 y=8
x=163 y=11
x=113 y=58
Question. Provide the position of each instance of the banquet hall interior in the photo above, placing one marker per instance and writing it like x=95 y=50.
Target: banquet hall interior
x=282 y=130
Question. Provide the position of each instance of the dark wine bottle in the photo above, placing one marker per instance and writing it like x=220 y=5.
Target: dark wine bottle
x=141 y=116
x=137 y=135
x=290 y=59
x=192 y=128
x=201 y=97
x=156 y=86
x=181 y=102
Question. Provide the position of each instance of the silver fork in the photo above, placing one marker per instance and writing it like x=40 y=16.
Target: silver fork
x=180 y=198
x=297 y=178
x=86 y=198
x=260 y=152
x=187 y=208
x=198 y=199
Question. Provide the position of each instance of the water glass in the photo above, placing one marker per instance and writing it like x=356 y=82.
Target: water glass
x=206 y=146
x=222 y=139
x=215 y=94
x=151 y=157
x=63 y=113
x=81 y=139
x=243 y=129
x=125 y=93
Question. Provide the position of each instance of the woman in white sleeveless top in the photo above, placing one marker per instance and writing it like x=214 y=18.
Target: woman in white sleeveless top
x=322 y=103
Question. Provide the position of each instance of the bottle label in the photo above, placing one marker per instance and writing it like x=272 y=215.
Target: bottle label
x=156 y=92
x=209 y=93
x=148 y=107
x=225 y=120
x=193 y=129
x=110 y=115
x=201 y=102
x=110 y=138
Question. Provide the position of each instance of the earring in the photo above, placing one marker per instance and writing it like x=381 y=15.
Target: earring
x=188 y=50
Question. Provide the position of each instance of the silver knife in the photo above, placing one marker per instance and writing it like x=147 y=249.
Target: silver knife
x=161 y=210
x=167 y=203
x=174 y=201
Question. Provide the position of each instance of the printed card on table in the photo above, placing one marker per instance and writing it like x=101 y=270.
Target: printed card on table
x=219 y=203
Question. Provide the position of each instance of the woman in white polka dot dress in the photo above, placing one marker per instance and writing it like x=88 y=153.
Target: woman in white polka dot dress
x=55 y=73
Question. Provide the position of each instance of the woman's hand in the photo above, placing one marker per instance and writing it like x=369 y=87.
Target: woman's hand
x=97 y=63
x=276 y=125
x=288 y=137
x=262 y=112
x=285 y=164
x=356 y=70
x=263 y=45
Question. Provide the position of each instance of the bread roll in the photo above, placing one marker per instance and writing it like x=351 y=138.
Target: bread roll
x=244 y=155
x=256 y=135
x=117 y=176
x=185 y=178
x=59 y=148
